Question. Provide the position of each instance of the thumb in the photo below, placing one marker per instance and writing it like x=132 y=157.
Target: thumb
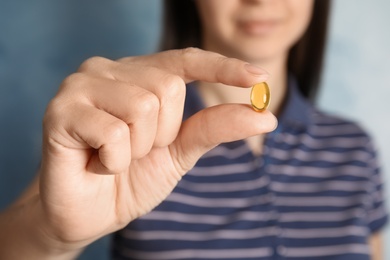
x=212 y=126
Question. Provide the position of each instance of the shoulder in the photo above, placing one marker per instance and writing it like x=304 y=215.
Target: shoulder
x=342 y=134
x=333 y=125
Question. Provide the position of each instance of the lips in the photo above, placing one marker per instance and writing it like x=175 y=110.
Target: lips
x=257 y=27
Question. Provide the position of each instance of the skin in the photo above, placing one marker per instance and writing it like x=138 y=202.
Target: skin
x=114 y=145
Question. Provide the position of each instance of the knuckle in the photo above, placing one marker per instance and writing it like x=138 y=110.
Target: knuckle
x=93 y=64
x=223 y=60
x=222 y=64
x=171 y=80
x=74 y=88
x=190 y=51
x=147 y=103
x=173 y=86
x=116 y=131
x=53 y=111
x=67 y=97
x=58 y=108
x=74 y=80
x=54 y=106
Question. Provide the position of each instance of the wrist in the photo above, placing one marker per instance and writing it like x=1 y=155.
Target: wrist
x=47 y=240
x=28 y=235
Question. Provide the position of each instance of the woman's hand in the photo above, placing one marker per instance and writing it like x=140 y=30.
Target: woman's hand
x=114 y=145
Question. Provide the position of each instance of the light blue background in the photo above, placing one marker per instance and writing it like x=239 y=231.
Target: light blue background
x=356 y=83
x=42 y=41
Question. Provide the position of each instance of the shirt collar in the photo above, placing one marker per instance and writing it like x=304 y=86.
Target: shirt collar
x=295 y=113
x=297 y=109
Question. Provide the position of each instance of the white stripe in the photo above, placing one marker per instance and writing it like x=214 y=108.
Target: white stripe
x=327 y=119
x=217 y=202
x=320 y=187
x=316 y=172
x=227 y=153
x=321 y=216
x=241 y=234
x=333 y=201
x=309 y=141
x=374 y=163
x=334 y=130
x=199 y=253
x=208 y=219
x=377 y=196
x=376 y=214
x=329 y=201
x=254 y=216
x=318 y=233
x=377 y=180
x=309 y=156
x=223 y=169
x=224 y=187
x=327 y=250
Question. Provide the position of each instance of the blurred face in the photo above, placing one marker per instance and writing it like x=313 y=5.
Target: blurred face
x=253 y=30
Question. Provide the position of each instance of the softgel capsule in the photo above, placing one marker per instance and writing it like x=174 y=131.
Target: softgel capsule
x=260 y=96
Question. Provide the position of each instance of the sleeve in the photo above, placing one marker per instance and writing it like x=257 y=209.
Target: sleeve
x=376 y=214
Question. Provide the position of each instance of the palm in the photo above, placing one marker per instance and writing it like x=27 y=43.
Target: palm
x=150 y=180
x=96 y=204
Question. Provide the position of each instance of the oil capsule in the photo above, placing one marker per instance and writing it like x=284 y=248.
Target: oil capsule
x=260 y=96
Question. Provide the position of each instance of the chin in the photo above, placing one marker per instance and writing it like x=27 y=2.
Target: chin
x=253 y=52
x=255 y=56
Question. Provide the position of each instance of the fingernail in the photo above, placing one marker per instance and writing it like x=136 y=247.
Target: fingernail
x=255 y=70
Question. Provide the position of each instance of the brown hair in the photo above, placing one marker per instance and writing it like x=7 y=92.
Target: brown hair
x=182 y=28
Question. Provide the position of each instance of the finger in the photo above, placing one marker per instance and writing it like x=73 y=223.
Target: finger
x=215 y=125
x=84 y=127
x=194 y=64
x=188 y=64
x=137 y=107
x=168 y=88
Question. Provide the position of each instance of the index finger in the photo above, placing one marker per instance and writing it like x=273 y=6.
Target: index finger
x=195 y=64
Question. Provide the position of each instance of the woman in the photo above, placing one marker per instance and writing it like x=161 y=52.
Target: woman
x=287 y=208
x=115 y=147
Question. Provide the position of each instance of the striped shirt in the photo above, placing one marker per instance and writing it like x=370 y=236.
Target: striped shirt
x=314 y=193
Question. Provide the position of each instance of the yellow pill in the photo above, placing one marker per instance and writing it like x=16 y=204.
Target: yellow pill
x=260 y=96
